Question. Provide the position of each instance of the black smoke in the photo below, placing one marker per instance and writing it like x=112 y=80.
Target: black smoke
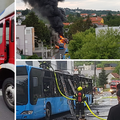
x=49 y=9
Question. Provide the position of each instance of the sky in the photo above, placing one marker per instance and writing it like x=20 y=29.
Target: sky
x=113 y=5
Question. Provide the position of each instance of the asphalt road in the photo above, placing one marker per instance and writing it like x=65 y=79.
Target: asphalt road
x=102 y=104
x=60 y=54
x=5 y=113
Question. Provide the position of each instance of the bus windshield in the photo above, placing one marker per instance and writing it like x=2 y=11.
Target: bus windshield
x=21 y=86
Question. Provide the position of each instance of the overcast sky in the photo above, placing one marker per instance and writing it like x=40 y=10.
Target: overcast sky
x=82 y=4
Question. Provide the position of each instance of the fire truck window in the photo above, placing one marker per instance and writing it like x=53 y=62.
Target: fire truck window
x=12 y=30
x=7 y=32
x=1 y=32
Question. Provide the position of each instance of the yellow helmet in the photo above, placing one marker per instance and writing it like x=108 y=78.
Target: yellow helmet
x=79 y=88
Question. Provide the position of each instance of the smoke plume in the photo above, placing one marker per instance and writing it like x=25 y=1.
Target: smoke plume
x=49 y=10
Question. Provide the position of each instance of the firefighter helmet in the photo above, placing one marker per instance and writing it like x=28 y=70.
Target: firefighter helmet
x=79 y=88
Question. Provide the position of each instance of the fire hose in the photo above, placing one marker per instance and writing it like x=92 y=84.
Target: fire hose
x=72 y=98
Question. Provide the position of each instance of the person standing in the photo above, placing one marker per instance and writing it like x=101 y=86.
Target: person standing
x=114 y=113
x=80 y=98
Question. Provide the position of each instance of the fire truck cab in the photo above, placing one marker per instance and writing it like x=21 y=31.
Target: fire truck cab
x=113 y=86
x=7 y=52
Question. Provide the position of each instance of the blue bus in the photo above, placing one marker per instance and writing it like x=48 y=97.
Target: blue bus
x=61 y=46
x=37 y=95
x=66 y=55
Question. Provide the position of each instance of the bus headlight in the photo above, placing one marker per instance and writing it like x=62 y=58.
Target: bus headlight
x=26 y=112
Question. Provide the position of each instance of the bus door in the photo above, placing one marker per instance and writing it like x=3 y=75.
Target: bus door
x=36 y=96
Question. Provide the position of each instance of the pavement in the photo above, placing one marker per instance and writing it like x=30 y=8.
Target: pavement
x=5 y=113
x=100 y=107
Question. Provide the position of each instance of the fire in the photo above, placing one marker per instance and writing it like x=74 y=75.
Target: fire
x=63 y=41
x=56 y=46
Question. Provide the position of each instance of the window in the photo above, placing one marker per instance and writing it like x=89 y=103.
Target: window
x=35 y=85
x=29 y=63
x=28 y=31
x=12 y=30
x=1 y=32
x=7 y=32
x=21 y=86
x=62 y=65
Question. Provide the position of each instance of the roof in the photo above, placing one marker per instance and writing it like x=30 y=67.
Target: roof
x=18 y=12
x=96 y=19
x=115 y=75
x=66 y=23
x=9 y=10
x=84 y=14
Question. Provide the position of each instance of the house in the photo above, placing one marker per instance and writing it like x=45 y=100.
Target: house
x=66 y=66
x=118 y=14
x=93 y=14
x=103 y=15
x=98 y=21
x=18 y=14
x=66 y=24
x=25 y=39
x=83 y=14
x=97 y=30
x=112 y=76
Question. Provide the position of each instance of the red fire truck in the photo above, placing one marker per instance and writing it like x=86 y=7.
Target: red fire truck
x=7 y=55
x=113 y=86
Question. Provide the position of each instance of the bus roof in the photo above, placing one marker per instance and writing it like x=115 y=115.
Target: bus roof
x=9 y=10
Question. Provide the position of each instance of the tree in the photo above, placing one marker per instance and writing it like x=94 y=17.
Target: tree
x=102 y=78
x=78 y=26
x=41 y=31
x=85 y=45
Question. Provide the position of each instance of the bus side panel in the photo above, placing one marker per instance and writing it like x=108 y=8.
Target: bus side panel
x=39 y=109
x=89 y=96
x=58 y=104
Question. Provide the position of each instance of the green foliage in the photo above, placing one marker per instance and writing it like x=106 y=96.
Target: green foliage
x=41 y=31
x=79 y=26
x=85 y=45
x=73 y=17
x=111 y=20
x=25 y=12
x=34 y=57
x=102 y=78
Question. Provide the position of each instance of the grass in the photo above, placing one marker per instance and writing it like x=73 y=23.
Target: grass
x=113 y=97
x=106 y=90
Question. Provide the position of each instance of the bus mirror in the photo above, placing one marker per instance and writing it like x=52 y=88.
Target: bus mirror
x=35 y=81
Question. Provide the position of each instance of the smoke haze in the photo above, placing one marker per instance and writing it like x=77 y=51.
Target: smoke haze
x=49 y=10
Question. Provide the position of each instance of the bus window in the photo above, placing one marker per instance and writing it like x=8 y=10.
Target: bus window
x=12 y=30
x=47 y=89
x=7 y=32
x=22 y=92
x=35 y=85
x=21 y=86
x=1 y=32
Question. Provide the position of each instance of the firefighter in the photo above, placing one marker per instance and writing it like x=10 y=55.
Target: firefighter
x=80 y=98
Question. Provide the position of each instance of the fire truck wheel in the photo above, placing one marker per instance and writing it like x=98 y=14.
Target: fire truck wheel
x=8 y=93
x=48 y=112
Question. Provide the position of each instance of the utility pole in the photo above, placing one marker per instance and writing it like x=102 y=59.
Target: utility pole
x=95 y=73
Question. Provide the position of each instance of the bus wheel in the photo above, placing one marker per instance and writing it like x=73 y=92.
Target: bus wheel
x=48 y=112
x=8 y=93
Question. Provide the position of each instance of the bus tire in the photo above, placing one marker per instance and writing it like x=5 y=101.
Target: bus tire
x=8 y=93
x=48 y=112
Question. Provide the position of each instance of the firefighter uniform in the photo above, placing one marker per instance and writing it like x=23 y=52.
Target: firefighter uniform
x=80 y=98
